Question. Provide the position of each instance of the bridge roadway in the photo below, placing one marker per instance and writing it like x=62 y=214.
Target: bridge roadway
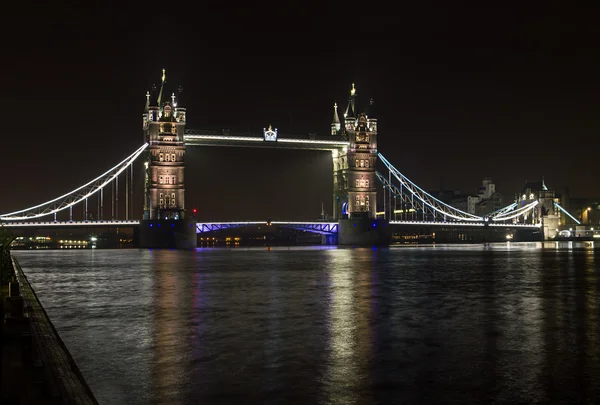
x=321 y=227
x=468 y=224
x=70 y=224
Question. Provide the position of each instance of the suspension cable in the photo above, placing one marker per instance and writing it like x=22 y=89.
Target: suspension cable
x=71 y=198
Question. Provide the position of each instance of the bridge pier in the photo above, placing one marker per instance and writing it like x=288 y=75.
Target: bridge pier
x=364 y=232
x=330 y=239
x=168 y=234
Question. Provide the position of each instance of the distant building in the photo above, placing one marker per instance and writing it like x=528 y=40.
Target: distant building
x=586 y=210
x=465 y=203
x=485 y=202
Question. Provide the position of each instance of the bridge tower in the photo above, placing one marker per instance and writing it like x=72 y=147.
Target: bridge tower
x=355 y=193
x=164 y=127
x=164 y=192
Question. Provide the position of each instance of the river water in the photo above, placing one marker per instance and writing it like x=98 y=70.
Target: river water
x=498 y=323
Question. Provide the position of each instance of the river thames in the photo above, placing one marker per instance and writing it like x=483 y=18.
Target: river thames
x=446 y=324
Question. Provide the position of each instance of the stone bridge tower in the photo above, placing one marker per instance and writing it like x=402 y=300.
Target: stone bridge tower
x=355 y=195
x=354 y=188
x=164 y=127
x=164 y=223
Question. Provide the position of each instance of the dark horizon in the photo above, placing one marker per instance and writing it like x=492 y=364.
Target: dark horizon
x=461 y=94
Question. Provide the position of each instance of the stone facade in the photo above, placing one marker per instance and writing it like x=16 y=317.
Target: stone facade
x=354 y=179
x=164 y=128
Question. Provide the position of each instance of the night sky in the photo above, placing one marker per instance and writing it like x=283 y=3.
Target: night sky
x=461 y=93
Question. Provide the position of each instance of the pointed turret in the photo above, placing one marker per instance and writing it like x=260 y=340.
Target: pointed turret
x=162 y=84
x=350 y=114
x=371 y=109
x=351 y=108
x=371 y=117
x=335 y=124
x=147 y=108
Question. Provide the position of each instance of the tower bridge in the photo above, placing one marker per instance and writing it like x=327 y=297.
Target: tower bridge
x=352 y=141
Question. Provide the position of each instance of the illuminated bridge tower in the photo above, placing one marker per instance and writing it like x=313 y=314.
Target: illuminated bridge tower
x=355 y=179
x=165 y=224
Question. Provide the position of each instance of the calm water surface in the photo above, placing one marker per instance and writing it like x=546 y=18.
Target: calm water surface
x=482 y=324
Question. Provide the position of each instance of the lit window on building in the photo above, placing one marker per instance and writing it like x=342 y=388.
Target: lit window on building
x=161 y=180
x=367 y=163
x=173 y=157
x=161 y=157
x=356 y=162
x=173 y=129
x=362 y=163
x=357 y=183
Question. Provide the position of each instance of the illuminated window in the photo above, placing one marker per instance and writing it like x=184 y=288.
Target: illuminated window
x=167 y=157
x=357 y=183
x=161 y=157
x=366 y=162
x=356 y=163
x=173 y=129
x=367 y=202
x=161 y=180
x=172 y=157
x=362 y=163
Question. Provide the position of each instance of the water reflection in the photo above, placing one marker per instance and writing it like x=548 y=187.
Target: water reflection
x=350 y=343
x=500 y=323
x=169 y=329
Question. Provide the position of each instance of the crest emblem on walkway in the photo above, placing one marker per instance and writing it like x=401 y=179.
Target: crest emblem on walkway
x=270 y=134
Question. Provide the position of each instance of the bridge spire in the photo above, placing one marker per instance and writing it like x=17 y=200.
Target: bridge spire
x=147 y=108
x=350 y=108
x=335 y=124
x=162 y=84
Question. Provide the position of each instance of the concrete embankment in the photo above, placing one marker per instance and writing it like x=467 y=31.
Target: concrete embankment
x=37 y=367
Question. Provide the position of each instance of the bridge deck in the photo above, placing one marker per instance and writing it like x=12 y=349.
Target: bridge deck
x=315 y=226
x=255 y=140
x=64 y=224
